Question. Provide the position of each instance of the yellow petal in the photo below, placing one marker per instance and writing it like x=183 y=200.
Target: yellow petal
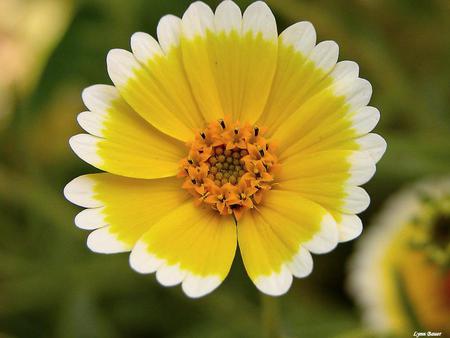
x=122 y=142
x=191 y=245
x=122 y=208
x=152 y=80
x=275 y=239
x=301 y=72
x=222 y=58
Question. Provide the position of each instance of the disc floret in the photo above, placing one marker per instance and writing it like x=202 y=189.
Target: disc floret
x=229 y=167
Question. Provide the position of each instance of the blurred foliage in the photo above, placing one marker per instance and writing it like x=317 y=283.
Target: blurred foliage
x=52 y=286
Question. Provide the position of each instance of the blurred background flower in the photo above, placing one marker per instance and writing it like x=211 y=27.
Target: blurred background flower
x=29 y=30
x=52 y=286
x=400 y=272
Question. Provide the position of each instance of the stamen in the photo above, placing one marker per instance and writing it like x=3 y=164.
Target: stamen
x=229 y=169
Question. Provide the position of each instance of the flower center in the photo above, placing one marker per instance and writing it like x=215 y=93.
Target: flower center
x=229 y=167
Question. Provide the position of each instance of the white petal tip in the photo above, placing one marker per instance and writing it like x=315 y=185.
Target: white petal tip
x=80 y=192
x=301 y=35
x=327 y=237
x=103 y=241
x=258 y=18
x=198 y=286
x=276 y=284
x=86 y=146
x=349 y=228
x=374 y=144
x=90 y=219
x=170 y=275
x=142 y=261
x=121 y=65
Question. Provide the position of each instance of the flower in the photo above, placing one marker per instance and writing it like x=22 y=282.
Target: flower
x=400 y=272
x=222 y=132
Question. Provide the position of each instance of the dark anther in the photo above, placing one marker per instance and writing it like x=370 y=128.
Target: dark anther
x=236 y=131
x=222 y=123
x=194 y=181
x=267 y=146
x=256 y=130
x=200 y=151
x=190 y=161
x=203 y=135
x=261 y=152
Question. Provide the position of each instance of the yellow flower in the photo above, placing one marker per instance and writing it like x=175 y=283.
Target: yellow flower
x=222 y=132
x=400 y=273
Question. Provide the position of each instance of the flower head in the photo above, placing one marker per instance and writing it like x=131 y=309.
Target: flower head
x=400 y=273
x=222 y=132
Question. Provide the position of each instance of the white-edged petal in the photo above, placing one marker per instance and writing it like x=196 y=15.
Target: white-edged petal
x=345 y=70
x=365 y=119
x=198 y=286
x=86 y=146
x=301 y=264
x=169 y=31
x=142 y=261
x=362 y=168
x=197 y=20
x=356 y=201
x=121 y=66
x=326 y=239
x=170 y=275
x=349 y=227
x=103 y=241
x=301 y=36
x=357 y=91
x=228 y=17
x=325 y=55
x=90 y=219
x=98 y=98
x=91 y=122
x=145 y=47
x=80 y=191
x=258 y=18
x=374 y=144
x=277 y=283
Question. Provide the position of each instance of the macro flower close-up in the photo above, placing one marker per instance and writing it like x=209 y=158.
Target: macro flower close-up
x=223 y=135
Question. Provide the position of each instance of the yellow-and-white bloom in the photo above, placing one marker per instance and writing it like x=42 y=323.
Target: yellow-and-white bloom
x=222 y=132
x=400 y=273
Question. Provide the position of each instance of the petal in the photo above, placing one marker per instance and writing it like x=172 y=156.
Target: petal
x=228 y=17
x=191 y=245
x=222 y=58
x=123 y=208
x=91 y=219
x=374 y=144
x=349 y=227
x=274 y=240
x=301 y=73
x=124 y=144
x=154 y=84
x=258 y=19
x=343 y=167
x=168 y=31
x=329 y=179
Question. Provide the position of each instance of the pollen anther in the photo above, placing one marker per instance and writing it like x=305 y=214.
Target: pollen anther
x=231 y=170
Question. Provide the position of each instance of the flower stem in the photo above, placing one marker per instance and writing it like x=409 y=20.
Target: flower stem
x=270 y=317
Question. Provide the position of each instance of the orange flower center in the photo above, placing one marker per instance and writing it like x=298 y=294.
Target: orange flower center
x=229 y=167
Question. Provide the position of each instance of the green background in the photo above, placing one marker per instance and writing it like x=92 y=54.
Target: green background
x=51 y=285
